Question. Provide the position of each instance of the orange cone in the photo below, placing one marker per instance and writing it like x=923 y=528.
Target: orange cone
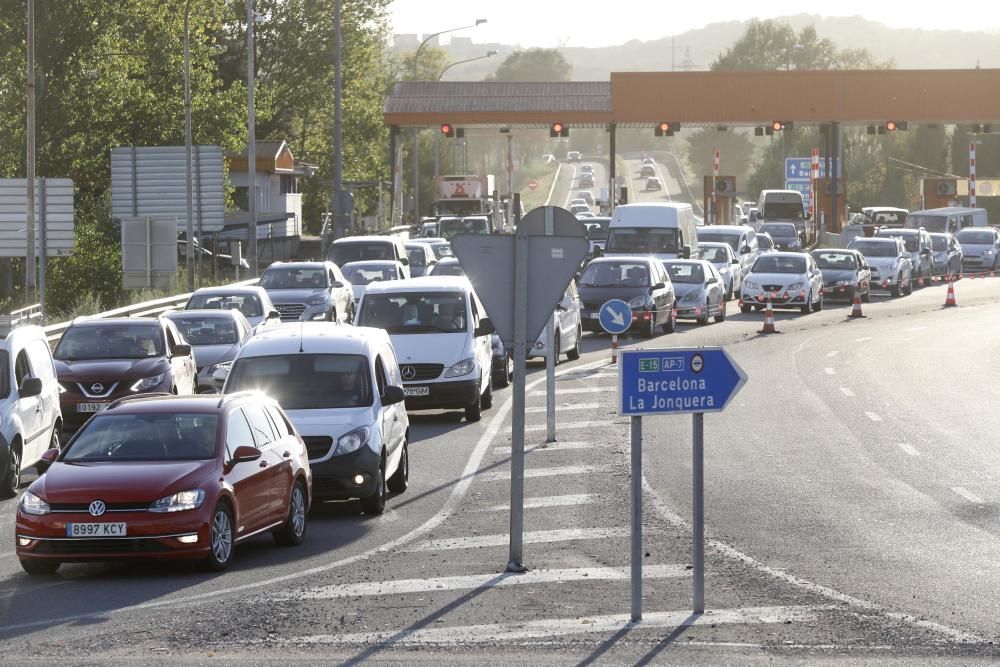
x=856 y=310
x=769 y=320
x=949 y=301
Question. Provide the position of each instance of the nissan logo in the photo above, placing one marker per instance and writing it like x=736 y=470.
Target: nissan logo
x=408 y=372
x=97 y=508
x=97 y=388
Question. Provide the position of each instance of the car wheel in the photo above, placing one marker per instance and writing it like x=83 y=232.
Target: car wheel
x=895 y=290
x=220 y=534
x=703 y=320
x=647 y=328
x=40 y=567
x=671 y=324
x=293 y=532
x=374 y=504
x=332 y=315
x=866 y=296
x=12 y=477
x=909 y=286
x=487 y=398
x=401 y=478
x=819 y=304
x=574 y=354
x=474 y=412
x=729 y=292
x=745 y=309
x=721 y=317
x=807 y=306
x=54 y=440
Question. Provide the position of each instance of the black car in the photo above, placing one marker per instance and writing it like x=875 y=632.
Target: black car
x=639 y=281
x=785 y=235
x=845 y=274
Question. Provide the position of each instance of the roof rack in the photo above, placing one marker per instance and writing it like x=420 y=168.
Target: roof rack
x=136 y=397
x=236 y=394
x=22 y=317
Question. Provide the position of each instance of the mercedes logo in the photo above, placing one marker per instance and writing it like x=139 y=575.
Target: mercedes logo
x=97 y=388
x=97 y=508
x=408 y=372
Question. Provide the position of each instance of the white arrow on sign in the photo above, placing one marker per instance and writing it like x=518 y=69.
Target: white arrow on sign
x=616 y=317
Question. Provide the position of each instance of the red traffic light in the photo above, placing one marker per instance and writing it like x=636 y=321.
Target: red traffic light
x=664 y=127
x=558 y=130
x=447 y=130
x=777 y=126
x=890 y=126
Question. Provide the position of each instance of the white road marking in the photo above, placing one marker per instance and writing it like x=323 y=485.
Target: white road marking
x=555 y=627
x=575 y=390
x=862 y=340
x=874 y=417
x=557 y=446
x=847 y=392
x=503 y=476
x=829 y=371
x=908 y=448
x=555 y=181
x=832 y=353
x=482 y=581
x=530 y=537
x=548 y=501
x=566 y=408
x=971 y=497
x=573 y=425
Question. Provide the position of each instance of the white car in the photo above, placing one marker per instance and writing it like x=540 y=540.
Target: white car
x=307 y=291
x=889 y=261
x=32 y=419
x=725 y=261
x=361 y=274
x=342 y=389
x=441 y=335
x=579 y=201
x=786 y=279
x=251 y=300
x=577 y=209
x=569 y=329
x=363 y=248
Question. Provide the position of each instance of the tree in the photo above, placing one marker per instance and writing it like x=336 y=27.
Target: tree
x=533 y=65
x=735 y=148
x=772 y=45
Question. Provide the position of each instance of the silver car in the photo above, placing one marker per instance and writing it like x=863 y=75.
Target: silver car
x=947 y=254
x=307 y=291
x=251 y=300
x=721 y=255
x=569 y=329
x=215 y=337
x=918 y=244
x=361 y=274
x=422 y=259
x=698 y=288
x=889 y=262
x=786 y=279
x=980 y=248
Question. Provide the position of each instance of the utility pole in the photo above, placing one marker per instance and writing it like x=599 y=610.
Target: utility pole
x=187 y=147
x=251 y=146
x=338 y=145
x=29 y=260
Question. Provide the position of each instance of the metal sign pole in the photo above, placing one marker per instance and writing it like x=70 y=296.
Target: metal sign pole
x=636 y=494
x=698 y=510
x=517 y=416
x=43 y=233
x=550 y=358
x=614 y=348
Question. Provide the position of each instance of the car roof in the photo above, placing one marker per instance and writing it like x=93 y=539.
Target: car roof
x=737 y=229
x=714 y=244
x=846 y=251
x=203 y=403
x=231 y=289
x=786 y=253
x=303 y=265
x=622 y=258
x=370 y=262
x=359 y=239
x=25 y=332
x=422 y=284
x=116 y=321
x=207 y=313
x=898 y=231
x=686 y=261
x=313 y=338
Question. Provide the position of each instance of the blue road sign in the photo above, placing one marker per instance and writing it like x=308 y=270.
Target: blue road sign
x=802 y=187
x=616 y=316
x=677 y=381
x=800 y=169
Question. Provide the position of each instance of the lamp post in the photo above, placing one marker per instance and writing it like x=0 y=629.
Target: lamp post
x=416 y=131
x=437 y=135
x=29 y=259
x=189 y=246
x=251 y=146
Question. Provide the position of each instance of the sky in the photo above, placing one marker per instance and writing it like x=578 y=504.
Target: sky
x=550 y=23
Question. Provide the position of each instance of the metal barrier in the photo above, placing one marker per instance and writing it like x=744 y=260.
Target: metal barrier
x=30 y=315
x=145 y=309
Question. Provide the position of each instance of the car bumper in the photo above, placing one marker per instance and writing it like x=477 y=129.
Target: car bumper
x=692 y=311
x=442 y=395
x=838 y=292
x=334 y=479
x=883 y=283
x=777 y=299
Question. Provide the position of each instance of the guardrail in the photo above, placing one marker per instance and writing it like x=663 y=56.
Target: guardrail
x=30 y=315
x=54 y=331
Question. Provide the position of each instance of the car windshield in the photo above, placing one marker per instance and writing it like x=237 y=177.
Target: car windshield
x=452 y=228
x=835 y=261
x=732 y=240
x=875 y=248
x=684 y=272
x=362 y=274
x=764 y=241
x=911 y=241
x=148 y=436
x=248 y=304
x=207 y=330
x=615 y=274
x=939 y=243
x=597 y=232
x=714 y=255
x=783 y=231
x=294 y=278
x=977 y=236
x=358 y=251
x=306 y=381
x=416 y=257
x=775 y=264
x=447 y=269
x=110 y=341
x=932 y=223
x=442 y=250
x=415 y=312
x=643 y=240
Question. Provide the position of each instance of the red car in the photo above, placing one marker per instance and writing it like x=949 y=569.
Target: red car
x=167 y=477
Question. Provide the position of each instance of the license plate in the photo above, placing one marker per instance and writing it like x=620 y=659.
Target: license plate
x=96 y=529
x=595 y=316
x=90 y=407
x=416 y=391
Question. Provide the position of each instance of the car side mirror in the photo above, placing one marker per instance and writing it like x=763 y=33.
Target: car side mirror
x=598 y=251
x=686 y=252
x=49 y=457
x=736 y=260
x=745 y=250
x=404 y=261
x=393 y=395
x=337 y=284
x=274 y=315
x=245 y=454
x=181 y=350
x=30 y=387
x=656 y=287
x=712 y=281
x=485 y=327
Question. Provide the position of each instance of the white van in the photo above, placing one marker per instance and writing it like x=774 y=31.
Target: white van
x=949 y=219
x=342 y=390
x=441 y=335
x=663 y=229
x=786 y=206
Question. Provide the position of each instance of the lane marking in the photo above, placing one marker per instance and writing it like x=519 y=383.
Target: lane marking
x=874 y=417
x=847 y=392
x=575 y=390
x=575 y=425
x=862 y=340
x=555 y=627
x=478 y=581
x=832 y=353
x=971 y=497
x=504 y=476
x=566 y=408
x=829 y=371
x=548 y=501
x=557 y=446
x=530 y=537
x=908 y=448
x=555 y=180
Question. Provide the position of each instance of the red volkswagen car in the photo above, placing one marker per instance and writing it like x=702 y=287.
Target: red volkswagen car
x=166 y=477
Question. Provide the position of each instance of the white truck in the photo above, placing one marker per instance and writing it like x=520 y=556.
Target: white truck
x=786 y=206
x=468 y=195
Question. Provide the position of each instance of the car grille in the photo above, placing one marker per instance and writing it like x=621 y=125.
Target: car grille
x=291 y=312
x=420 y=372
x=124 y=545
x=84 y=508
x=87 y=388
x=773 y=288
x=317 y=445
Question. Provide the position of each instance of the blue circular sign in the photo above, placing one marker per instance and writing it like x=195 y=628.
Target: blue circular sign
x=616 y=316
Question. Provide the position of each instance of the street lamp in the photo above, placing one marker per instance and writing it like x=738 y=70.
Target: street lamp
x=416 y=131
x=437 y=135
x=489 y=54
x=187 y=147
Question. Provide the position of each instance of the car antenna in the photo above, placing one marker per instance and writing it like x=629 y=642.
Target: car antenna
x=301 y=329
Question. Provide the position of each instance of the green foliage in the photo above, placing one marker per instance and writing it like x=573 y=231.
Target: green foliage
x=533 y=65
x=735 y=148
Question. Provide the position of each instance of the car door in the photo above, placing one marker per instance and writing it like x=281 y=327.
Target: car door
x=716 y=286
x=569 y=316
x=289 y=448
x=864 y=272
x=483 y=348
x=44 y=369
x=277 y=468
x=388 y=419
x=29 y=409
x=182 y=368
x=250 y=480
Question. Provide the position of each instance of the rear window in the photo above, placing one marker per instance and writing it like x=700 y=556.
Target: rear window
x=305 y=381
x=643 y=240
x=357 y=251
x=615 y=274
x=772 y=264
x=112 y=341
x=975 y=236
x=145 y=437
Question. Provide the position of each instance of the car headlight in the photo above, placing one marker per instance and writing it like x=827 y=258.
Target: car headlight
x=795 y=286
x=464 y=367
x=844 y=283
x=32 y=504
x=353 y=441
x=637 y=302
x=317 y=299
x=148 y=383
x=750 y=284
x=222 y=365
x=179 y=502
x=988 y=253
x=62 y=388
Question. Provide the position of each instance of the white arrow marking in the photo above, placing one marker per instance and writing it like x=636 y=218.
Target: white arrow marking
x=616 y=317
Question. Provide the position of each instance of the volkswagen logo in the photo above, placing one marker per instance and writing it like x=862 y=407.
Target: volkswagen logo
x=408 y=372
x=97 y=388
x=97 y=508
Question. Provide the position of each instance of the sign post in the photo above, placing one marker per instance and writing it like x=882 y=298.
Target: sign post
x=674 y=381
x=616 y=317
x=532 y=184
x=715 y=174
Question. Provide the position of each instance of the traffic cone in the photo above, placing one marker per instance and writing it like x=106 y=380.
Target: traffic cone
x=769 y=320
x=856 y=309
x=949 y=301
x=920 y=281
